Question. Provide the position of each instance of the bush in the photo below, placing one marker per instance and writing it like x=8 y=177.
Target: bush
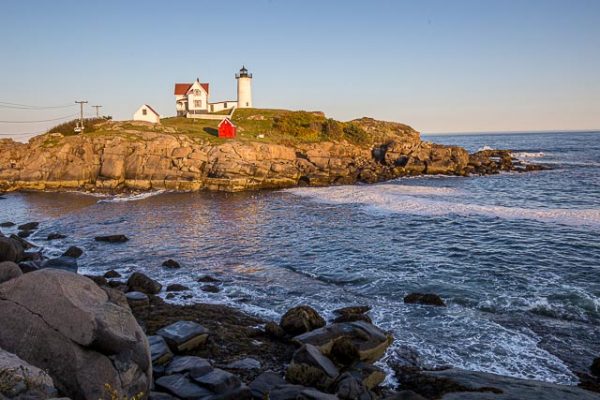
x=356 y=134
x=333 y=130
x=300 y=124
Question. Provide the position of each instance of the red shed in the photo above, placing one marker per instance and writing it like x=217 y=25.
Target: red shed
x=226 y=129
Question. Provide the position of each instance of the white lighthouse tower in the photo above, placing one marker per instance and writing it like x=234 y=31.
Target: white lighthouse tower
x=244 y=88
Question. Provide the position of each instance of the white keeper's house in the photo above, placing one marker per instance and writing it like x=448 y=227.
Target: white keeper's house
x=192 y=99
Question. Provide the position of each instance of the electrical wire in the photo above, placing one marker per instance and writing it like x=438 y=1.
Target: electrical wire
x=43 y=120
x=18 y=106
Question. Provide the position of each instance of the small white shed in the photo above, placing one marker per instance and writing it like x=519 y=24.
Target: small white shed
x=146 y=113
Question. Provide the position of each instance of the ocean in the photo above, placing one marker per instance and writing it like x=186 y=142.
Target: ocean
x=515 y=256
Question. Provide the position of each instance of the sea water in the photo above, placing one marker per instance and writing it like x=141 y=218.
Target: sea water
x=516 y=256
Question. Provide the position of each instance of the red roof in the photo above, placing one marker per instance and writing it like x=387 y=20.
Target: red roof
x=227 y=121
x=182 y=88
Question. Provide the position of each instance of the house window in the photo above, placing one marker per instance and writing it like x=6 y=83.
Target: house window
x=197 y=103
x=144 y=112
x=212 y=107
x=197 y=92
x=247 y=104
x=224 y=105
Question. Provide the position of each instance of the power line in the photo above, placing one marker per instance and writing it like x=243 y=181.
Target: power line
x=5 y=104
x=22 y=134
x=97 y=111
x=43 y=120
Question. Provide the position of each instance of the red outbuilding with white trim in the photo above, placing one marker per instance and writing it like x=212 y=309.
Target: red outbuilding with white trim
x=227 y=129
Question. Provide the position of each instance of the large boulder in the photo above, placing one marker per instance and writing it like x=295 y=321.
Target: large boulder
x=10 y=250
x=310 y=367
x=9 y=270
x=65 y=324
x=301 y=319
x=19 y=379
x=370 y=341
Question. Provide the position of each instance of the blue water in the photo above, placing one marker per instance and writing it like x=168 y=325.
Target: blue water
x=515 y=256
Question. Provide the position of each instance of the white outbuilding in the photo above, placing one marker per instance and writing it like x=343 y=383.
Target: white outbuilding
x=146 y=113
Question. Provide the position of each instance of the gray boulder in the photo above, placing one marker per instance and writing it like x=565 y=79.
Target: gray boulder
x=64 y=263
x=182 y=386
x=9 y=270
x=73 y=251
x=184 y=335
x=19 y=379
x=264 y=383
x=217 y=380
x=370 y=341
x=159 y=350
x=75 y=333
x=309 y=367
x=191 y=364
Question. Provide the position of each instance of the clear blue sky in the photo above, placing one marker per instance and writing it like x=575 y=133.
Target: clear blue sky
x=440 y=66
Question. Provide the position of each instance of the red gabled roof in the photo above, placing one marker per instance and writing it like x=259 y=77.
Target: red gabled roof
x=226 y=120
x=152 y=109
x=182 y=88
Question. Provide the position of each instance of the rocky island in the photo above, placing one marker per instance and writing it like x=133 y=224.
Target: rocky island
x=274 y=149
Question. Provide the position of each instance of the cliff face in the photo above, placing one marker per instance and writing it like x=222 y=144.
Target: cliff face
x=142 y=160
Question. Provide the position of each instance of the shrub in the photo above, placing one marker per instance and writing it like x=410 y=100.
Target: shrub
x=356 y=134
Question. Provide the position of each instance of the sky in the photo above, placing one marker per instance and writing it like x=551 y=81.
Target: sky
x=439 y=66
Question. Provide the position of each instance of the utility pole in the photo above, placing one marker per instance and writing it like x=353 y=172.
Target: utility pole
x=81 y=103
x=97 y=113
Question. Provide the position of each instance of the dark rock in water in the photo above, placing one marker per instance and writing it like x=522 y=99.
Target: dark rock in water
x=244 y=363
x=182 y=387
x=595 y=368
x=139 y=282
x=160 y=396
x=159 y=350
x=55 y=236
x=217 y=380
x=73 y=251
x=406 y=357
x=344 y=351
x=207 y=279
x=430 y=299
x=264 y=383
x=112 y=274
x=81 y=339
x=9 y=270
x=406 y=395
x=353 y=317
x=184 y=335
x=137 y=300
x=170 y=296
x=26 y=245
x=24 y=234
x=33 y=256
x=456 y=384
x=171 y=264
x=301 y=319
x=176 y=287
x=64 y=263
x=310 y=367
x=112 y=238
x=29 y=226
x=10 y=250
x=352 y=310
x=210 y=289
x=370 y=341
x=194 y=365
x=6 y=224
x=274 y=330
x=98 y=280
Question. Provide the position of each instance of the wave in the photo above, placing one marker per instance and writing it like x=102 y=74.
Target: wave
x=528 y=155
x=418 y=200
x=132 y=197
x=484 y=148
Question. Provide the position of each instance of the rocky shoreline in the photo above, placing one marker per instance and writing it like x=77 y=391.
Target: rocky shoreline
x=139 y=160
x=114 y=337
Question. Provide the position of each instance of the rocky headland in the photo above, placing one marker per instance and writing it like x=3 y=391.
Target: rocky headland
x=294 y=149
x=109 y=336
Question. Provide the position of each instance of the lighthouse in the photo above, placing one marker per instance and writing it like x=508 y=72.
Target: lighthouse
x=244 y=88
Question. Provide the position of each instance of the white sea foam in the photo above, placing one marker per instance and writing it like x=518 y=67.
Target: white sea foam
x=485 y=148
x=425 y=201
x=131 y=197
x=528 y=155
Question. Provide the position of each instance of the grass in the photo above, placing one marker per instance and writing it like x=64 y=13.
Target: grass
x=264 y=125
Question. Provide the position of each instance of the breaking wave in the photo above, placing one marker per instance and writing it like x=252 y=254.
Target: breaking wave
x=435 y=201
x=130 y=197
